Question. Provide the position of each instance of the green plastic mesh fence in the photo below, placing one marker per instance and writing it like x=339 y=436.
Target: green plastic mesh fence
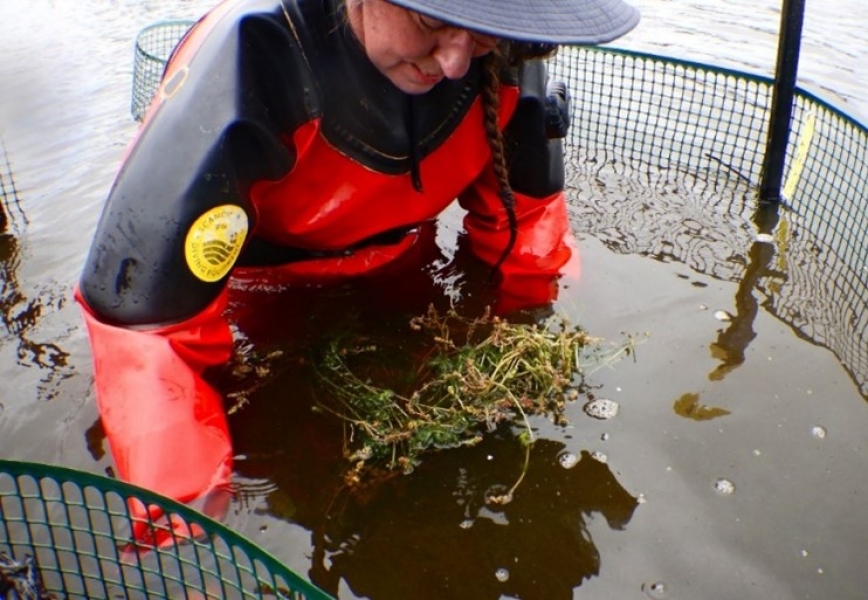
x=154 y=46
x=73 y=529
x=665 y=159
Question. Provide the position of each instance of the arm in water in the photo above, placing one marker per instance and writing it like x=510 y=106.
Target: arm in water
x=543 y=248
x=273 y=131
x=152 y=290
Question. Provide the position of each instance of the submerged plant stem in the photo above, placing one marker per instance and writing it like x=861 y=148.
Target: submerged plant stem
x=472 y=374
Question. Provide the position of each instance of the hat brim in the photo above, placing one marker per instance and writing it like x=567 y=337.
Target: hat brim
x=569 y=22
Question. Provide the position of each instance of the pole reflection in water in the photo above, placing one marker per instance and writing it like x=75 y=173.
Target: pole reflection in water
x=733 y=341
x=711 y=222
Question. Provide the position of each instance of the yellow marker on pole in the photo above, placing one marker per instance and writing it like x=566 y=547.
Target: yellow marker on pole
x=801 y=157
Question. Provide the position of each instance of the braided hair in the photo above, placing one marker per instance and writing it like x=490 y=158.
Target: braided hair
x=506 y=56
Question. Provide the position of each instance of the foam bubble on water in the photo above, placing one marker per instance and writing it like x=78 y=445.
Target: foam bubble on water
x=601 y=408
x=599 y=457
x=656 y=590
x=502 y=574
x=722 y=315
x=724 y=486
x=818 y=432
x=567 y=460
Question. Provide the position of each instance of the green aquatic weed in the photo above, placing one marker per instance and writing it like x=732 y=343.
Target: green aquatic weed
x=470 y=375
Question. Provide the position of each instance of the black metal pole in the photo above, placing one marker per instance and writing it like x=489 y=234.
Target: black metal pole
x=789 y=44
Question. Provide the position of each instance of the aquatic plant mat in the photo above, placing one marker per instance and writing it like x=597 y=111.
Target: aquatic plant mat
x=461 y=377
x=67 y=534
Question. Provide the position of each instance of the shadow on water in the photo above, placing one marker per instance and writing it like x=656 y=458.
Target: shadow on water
x=20 y=314
x=433 y=532
x=430 y=534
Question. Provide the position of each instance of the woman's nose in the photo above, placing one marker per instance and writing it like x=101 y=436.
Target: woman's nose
x=454 y=52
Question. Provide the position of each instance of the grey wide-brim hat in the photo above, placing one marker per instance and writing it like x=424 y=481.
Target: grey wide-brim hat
x=577 y=22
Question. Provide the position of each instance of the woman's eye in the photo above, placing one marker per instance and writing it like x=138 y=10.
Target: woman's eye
x=430 y=23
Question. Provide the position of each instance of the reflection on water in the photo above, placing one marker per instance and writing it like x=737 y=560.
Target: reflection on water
x=68 y=122
x=11 y=214
x=430 y=535
x=731 y=344
x=539 y=543
x=20 y=314
x=712 y=223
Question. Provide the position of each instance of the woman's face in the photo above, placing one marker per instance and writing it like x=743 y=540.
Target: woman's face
x=413 y=51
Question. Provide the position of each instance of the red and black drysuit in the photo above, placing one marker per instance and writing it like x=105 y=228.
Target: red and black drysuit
x=274 y=109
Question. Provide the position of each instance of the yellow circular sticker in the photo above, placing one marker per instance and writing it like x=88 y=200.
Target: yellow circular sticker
x=214 y=242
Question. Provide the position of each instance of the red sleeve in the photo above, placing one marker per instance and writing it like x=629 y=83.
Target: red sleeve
x=165 y=425
x=544 y=248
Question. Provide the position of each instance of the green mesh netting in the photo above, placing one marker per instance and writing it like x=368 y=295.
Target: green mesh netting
x=77 y=527
x=154 y=46
x=665 y=159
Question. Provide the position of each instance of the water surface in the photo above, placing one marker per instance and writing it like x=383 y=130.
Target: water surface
x=639 y=513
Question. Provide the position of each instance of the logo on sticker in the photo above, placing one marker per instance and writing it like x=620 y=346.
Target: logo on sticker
x=214 y=242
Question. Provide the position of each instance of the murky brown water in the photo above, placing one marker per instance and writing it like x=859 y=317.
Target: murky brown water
x=644 y=502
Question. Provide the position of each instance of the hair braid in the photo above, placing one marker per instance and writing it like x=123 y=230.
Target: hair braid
x=491 y=108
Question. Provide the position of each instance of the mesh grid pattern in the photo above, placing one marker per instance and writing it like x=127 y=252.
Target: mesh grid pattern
x=11 y=215
x=154 y=46
x=666 y=112
x=77 y=526
x=665 y=160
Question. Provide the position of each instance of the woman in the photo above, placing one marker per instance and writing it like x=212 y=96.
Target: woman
x=300 y=141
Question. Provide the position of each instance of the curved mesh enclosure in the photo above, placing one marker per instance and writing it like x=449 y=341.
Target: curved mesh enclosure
x=71 y=531
x=154 y=46
x=665 y=159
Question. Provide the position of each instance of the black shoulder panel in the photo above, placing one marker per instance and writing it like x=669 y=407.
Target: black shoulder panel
x=218 y=133
x=536 y=162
